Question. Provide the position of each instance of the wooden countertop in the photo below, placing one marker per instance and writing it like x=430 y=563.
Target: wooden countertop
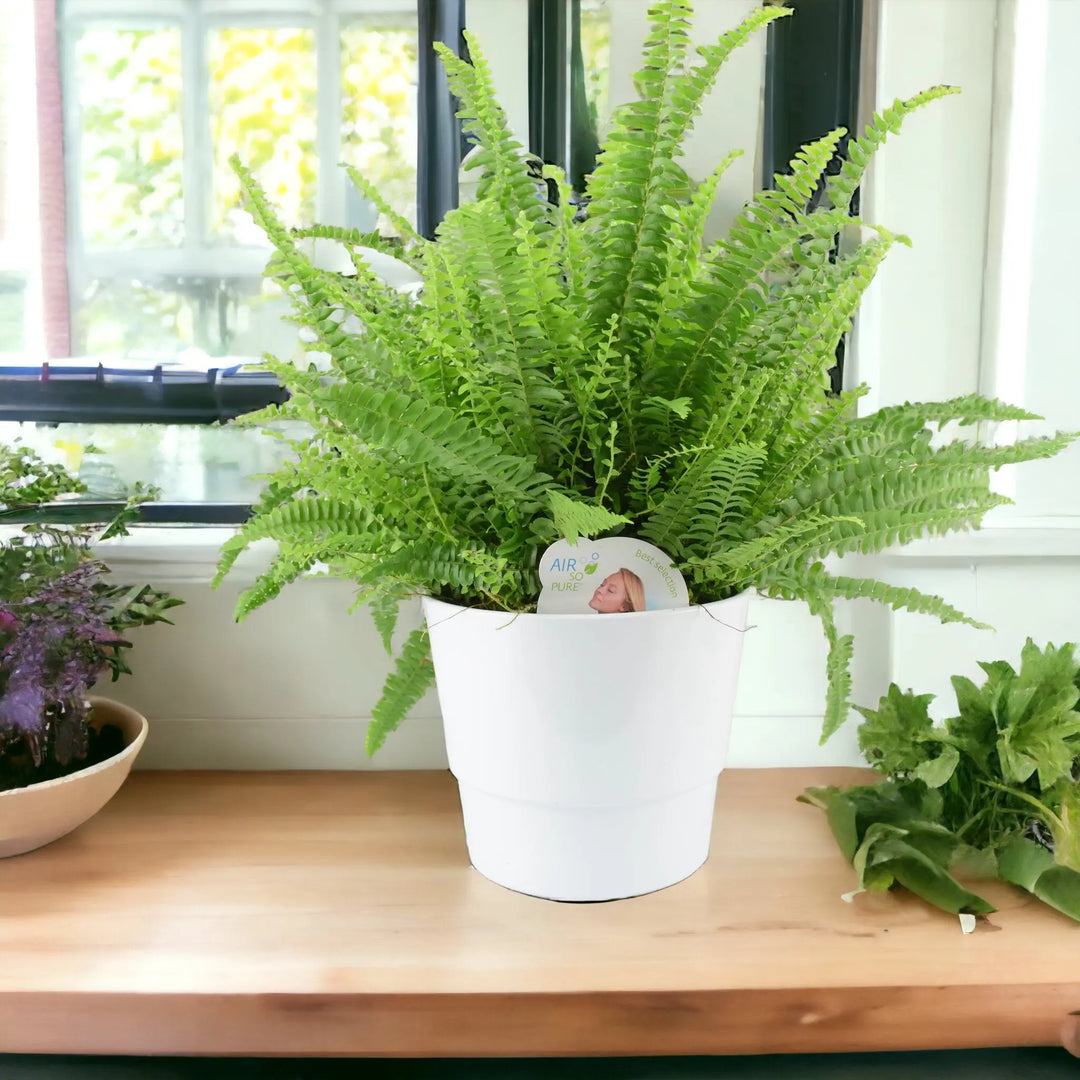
x=335 y=913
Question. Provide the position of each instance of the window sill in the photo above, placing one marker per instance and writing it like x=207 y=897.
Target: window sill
x=187 y=554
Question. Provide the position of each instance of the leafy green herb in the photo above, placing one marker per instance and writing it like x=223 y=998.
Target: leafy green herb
x=992 y=792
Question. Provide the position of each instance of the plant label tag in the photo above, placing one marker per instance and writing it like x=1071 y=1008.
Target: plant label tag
x=615 y=575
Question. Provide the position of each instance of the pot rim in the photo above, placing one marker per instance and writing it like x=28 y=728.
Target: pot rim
x=130 y=750
x=639 y=616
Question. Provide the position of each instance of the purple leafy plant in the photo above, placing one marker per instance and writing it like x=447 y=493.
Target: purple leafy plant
x=62 y=624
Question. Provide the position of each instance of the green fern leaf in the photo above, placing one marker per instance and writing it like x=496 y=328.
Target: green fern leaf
x=412 y=675
x=507 y=180
x=384 y=606
x=635 y=175
x=371 y=194
x=574 y=518
x=798 y=583
x=841 y=188
x=837 y=669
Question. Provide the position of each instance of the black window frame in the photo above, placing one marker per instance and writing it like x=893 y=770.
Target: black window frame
x=813 y=75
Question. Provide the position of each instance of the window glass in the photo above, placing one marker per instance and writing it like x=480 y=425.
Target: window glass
x=263 y=107
x=164 y=317
x=378 y=112
x=596 y=55
x=20 y=319
x=128 y=87
x=190 y=463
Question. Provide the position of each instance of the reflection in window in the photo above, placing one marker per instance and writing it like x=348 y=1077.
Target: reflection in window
x=163 y=259
x=189 y=463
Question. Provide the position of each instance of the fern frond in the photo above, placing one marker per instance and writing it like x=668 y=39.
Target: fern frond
x=309 y=520
x=284 y=569
x=384 y=606
x=717 y=482
x=509 y=326
x=402 y=226
x=841 y=188
x=735 y=285
x=574 y=518
x=635 y=175
x=432 y=435
x=280 y=489
x=899 y=425
x=413 y=674
x=796 y=583
x=734 y=484
x=744 y=560
x=837 y=668
x=507 y=180
x=438 y=566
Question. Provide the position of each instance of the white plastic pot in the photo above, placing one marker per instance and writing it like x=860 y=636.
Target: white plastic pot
x=33 y=816
x=587 y=747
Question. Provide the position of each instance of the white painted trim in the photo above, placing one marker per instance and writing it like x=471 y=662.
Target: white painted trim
x=1018 y=99
x=756 y=742
x=1034 y=538
x=181 y=555
x=175 y=555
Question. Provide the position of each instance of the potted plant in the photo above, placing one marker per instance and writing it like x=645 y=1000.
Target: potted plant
x=616 y=376
x=63 y=755
x=993 y=792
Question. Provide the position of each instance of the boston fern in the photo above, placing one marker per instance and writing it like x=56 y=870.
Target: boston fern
x=557 y=378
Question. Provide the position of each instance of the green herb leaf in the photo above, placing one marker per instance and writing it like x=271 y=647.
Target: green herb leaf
x=840 y=811
x=897 y=737
x=1066 y=830
x=1033 y=868
x=934 y=772
x=917 y=859
x=974 y=731
x=1035 y=717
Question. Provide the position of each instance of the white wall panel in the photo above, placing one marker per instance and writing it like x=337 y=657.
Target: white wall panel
x=1051 y=363
x=920 y=327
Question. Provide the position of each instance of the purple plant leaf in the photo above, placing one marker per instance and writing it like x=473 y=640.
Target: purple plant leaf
x=70 y=736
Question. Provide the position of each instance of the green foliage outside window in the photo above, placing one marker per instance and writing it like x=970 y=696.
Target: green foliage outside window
x=261 y=103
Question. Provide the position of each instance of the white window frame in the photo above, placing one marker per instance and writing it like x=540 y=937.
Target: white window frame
x=198 y=257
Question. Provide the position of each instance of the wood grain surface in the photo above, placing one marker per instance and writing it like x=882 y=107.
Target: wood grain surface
x=336 y=913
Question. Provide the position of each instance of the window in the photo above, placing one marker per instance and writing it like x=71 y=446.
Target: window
x=163 y=300
x=132 y=296
x=162 y=261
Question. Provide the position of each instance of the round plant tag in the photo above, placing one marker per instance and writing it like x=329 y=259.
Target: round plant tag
x=618 y=574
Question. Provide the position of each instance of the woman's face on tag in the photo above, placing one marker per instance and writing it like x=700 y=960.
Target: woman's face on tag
x=610 y=596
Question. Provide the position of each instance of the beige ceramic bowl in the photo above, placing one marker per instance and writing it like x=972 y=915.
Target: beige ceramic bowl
x=36 y=815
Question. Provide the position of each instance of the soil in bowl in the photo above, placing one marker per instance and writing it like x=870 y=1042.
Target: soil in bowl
x=18 y=770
